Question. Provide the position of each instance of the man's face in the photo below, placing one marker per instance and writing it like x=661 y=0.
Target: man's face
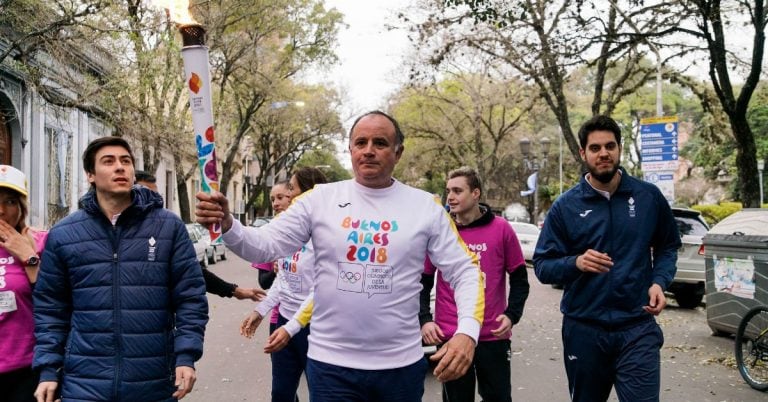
x=280 y=196
x=113 y=171
x=602 y=155
x=375 y=151
x=460 y=198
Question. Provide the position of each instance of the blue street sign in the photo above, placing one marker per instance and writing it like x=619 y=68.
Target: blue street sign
x=664 y=149
x=658 y=139
x=658 y=157
x=653 y=142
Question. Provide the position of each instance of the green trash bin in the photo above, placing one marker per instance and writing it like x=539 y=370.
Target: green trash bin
x=736 y=251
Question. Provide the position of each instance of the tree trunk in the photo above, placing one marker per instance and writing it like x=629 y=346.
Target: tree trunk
x=181 y=188
x=746 y=161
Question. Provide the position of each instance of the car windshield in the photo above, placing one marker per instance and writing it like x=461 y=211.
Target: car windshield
x=690 y=226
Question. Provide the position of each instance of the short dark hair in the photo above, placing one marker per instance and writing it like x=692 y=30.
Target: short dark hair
x=600 y=122
x=399 y=136
x=143 y=175
x=89 y=155
x=473 y=179
x=307 y=177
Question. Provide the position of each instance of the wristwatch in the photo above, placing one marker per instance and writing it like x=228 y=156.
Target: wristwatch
x=32 y=261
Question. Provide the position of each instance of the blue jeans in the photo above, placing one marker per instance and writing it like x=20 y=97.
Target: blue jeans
x=288 y=364
x=330 y=383
x=598 y=358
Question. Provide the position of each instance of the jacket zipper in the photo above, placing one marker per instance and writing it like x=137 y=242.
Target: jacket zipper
x=116 y=313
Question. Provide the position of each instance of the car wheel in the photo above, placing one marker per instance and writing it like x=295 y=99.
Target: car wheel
x=212 y=257
x=223 y=253
x=688 y=299
x=719 y=333
x=204 y=262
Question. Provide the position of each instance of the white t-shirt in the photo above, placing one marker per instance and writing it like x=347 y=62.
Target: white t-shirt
x=370 y=246
x=292 y=285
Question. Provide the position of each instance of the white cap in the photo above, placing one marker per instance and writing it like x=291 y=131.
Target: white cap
x=13 y=178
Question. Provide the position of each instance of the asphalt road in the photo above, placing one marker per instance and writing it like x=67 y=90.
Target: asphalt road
x=695 y=365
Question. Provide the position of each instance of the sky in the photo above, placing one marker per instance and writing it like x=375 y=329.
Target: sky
x=370 y=59
x=370 y=56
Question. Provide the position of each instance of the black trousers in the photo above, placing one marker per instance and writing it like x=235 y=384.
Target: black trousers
x=490 y=369
x=627 y=358
x=18 y=385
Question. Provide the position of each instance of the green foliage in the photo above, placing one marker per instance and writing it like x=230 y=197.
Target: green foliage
x=326 y=162
x=715 y=213
x=757 y=116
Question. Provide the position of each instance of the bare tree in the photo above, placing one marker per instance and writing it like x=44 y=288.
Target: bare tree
x=467 y=119
x=257 y=47
x=544 y=41
x=710 y=27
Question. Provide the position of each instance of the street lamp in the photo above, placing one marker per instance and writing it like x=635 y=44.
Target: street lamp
x=760 y=167
x=248 y=158
x=534 y=163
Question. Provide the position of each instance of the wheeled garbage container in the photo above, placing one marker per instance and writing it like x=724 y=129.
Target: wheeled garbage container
x=736 y=251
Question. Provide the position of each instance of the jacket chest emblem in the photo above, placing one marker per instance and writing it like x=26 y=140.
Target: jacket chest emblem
x=631 y=205
x=152 y=247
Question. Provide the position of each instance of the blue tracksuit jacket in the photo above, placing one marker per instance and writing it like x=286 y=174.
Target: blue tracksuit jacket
x=635 y=228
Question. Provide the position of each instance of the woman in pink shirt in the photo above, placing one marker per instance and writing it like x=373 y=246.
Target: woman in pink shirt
x=20 y=248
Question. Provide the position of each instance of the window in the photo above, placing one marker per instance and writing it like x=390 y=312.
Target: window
x=690 y=226
x=5 y=141
x=58 y=174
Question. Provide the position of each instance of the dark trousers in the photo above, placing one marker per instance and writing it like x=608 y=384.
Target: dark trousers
x=331 y=383
x=18 y=385
x=491 y=368
x=288 y=364
x=598 y=358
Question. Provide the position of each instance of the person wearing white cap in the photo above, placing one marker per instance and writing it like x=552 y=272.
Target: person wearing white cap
x=20 y=247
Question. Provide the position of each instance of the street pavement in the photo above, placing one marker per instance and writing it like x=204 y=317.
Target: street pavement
x=696 y=366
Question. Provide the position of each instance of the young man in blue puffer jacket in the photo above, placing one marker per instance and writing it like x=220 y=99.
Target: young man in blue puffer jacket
x=120 y=306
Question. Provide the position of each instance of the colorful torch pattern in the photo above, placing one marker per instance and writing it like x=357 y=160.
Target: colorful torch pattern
x=196 y=71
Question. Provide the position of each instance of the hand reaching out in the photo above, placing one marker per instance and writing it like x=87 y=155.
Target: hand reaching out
x=431 y=334
x=250 y=324
x=254 y=294
x=277 y=341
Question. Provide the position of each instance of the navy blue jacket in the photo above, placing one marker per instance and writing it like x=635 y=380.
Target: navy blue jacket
x=635 y=228
x=118 y=308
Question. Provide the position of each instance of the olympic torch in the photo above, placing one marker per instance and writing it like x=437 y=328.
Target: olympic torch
x=198 y=81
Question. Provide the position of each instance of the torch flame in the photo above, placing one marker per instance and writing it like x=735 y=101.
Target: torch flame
x=178 y=10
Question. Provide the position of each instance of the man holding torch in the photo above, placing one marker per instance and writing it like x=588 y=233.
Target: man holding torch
x=370 y=236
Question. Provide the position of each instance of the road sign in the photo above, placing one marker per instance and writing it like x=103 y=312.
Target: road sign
x=664 y=181
x=660 y=149
x=658 y=143
x=652 y=166
x=666 y=157
x=653 y=142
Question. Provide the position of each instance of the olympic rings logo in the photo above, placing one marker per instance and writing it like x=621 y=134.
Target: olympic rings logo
x=350 y=277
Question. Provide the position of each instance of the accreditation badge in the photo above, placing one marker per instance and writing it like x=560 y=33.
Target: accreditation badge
x=7 y=301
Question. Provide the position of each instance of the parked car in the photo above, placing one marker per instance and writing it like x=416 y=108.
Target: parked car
x=528 y=236
x=200 y=245
x=688 y=285
x=215 y=249
x=261 y=221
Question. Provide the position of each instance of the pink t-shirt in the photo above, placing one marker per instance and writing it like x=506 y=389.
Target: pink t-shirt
x=498 y=252
x=16 y=322
x=269 y=266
